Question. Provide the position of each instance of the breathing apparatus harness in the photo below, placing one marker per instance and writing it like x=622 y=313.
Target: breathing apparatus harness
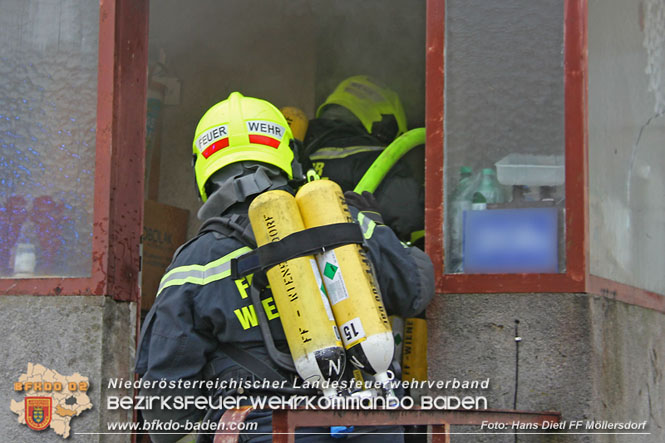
x=256 y=262
x=298 y=244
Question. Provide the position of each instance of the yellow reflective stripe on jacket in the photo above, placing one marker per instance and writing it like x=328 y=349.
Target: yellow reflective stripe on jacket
x=366 y=224
x=333 y=153
x=201 y=274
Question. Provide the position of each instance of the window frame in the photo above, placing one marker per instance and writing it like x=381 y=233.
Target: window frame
x=576 y=277
x=119 y=162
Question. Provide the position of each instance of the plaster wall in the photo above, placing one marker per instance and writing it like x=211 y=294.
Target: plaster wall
x=628 y=349
x=89 y=335
x=586 y=357
x=626 y=141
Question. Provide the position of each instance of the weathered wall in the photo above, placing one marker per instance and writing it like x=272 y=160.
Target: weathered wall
x=626 y=141
x=94 y=336
x=628 y=348
x=586 y=357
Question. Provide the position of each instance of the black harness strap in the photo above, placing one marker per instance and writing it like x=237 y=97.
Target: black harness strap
x=282 y=359
x=301 y=243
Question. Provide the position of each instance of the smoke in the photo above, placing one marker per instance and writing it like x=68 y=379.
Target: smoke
x=289 y=52
x=383 y=39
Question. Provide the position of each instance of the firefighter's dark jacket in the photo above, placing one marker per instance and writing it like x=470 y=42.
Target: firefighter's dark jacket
x=343 y=152
x=199 y=306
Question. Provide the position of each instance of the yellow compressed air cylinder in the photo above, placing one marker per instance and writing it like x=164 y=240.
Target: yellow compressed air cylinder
x=350 y=283
x=297 y=120
x=303 y=307
x=414 y=357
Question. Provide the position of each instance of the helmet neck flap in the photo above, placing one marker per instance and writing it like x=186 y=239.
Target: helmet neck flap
x=238 y=183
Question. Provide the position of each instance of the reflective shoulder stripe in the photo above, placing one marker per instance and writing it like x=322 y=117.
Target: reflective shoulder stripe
x=332 y=153
x=367 y=225
x=201 y=274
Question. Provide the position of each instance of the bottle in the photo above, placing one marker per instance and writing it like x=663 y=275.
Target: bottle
x=478 y=202
x=490 y=188
x=461 y=201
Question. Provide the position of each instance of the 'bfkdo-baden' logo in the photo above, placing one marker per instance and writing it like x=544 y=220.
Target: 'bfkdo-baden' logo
x=51 y=400
x=38 y=412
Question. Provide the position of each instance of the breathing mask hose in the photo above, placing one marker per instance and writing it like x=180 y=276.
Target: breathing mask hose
x=281 y=359
x=417 y=347
x=390 y=155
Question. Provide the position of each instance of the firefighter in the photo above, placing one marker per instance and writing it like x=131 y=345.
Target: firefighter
x=203 y=326
x=353 y=126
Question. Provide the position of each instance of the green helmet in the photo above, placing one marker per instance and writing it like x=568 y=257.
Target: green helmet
x=377 y=107
x=239 y=129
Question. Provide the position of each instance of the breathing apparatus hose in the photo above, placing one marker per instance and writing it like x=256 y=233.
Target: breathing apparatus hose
x=371 y=180
x=390 y=155
x=282 y=359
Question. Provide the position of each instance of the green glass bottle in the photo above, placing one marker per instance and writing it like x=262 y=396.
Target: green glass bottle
x=490 y=188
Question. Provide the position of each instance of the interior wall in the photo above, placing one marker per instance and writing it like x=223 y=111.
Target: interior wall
x=626 y=140
x=380 y=38
x=290 y=52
